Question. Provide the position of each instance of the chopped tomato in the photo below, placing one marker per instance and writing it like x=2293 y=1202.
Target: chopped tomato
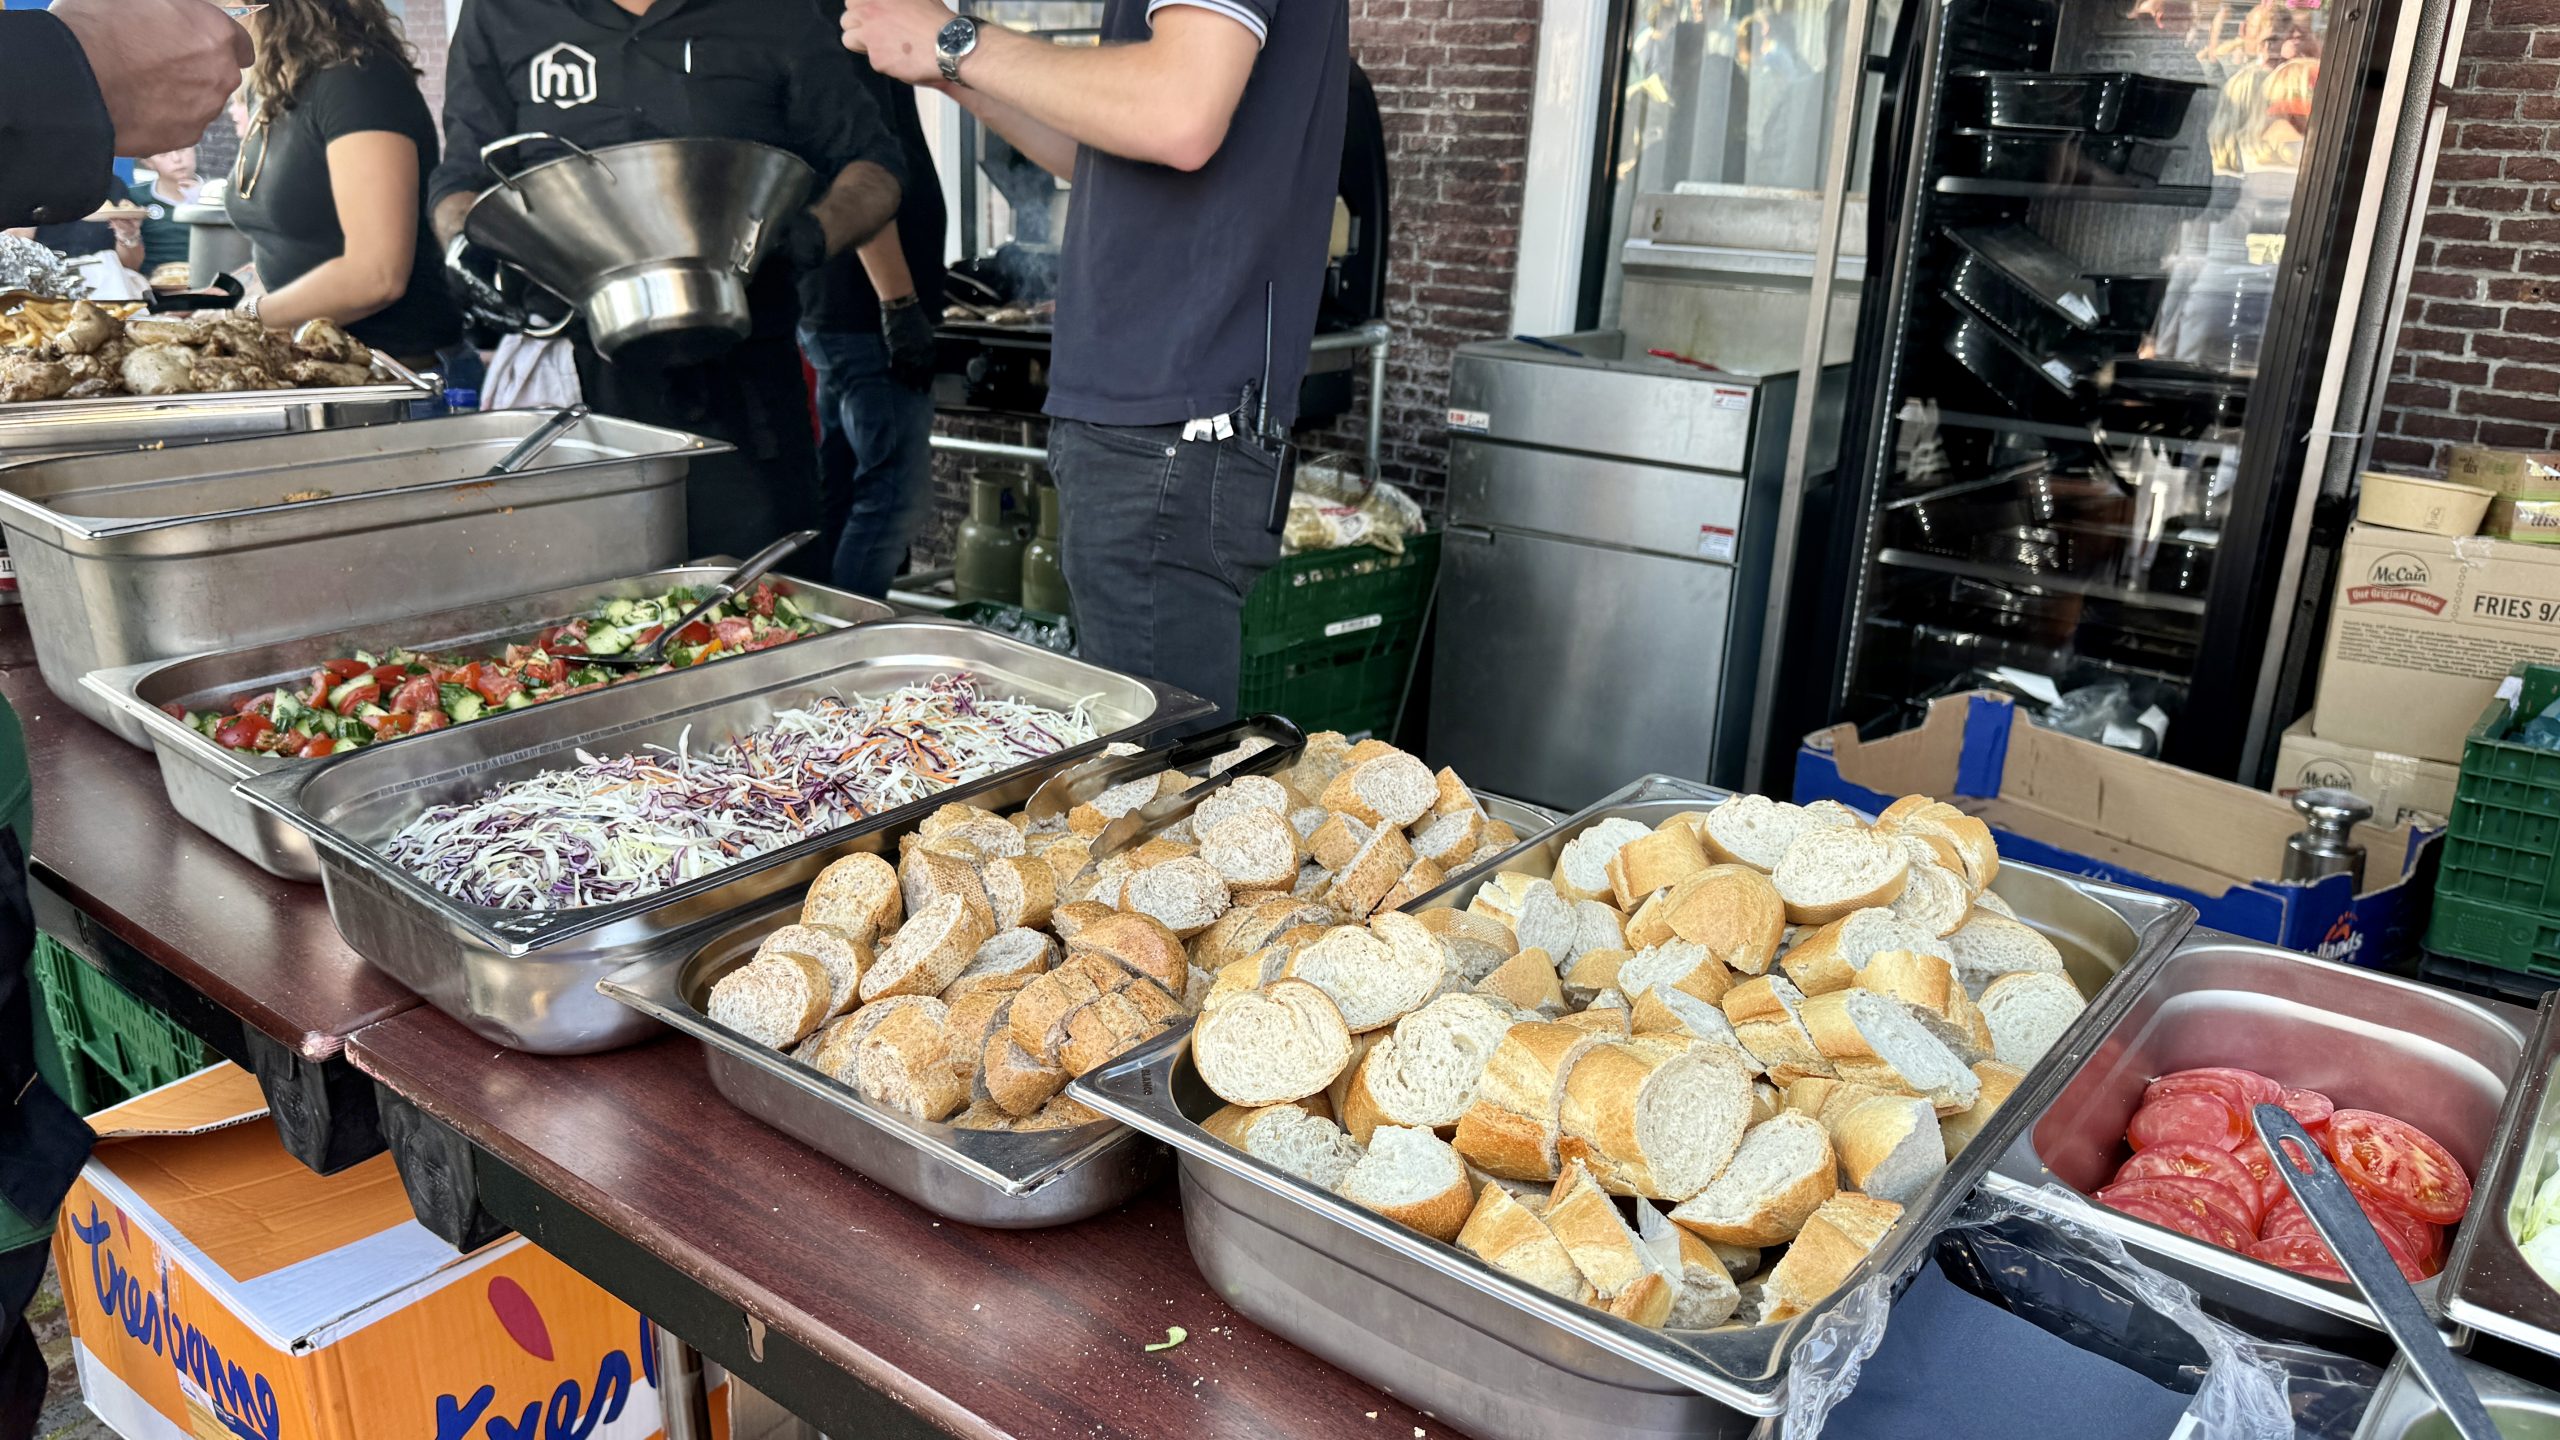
x=545 y=671
x=174 y=710
x=365 y=694
x=321 y=685
x=2202 y=1162
x=389 y=726
x=641 y=640
x=2191 y=1117
x=316 y=746
x=343 y=670
x=735 y=632
x=387 y=676
x=761 y=601
x=2399 y=1164
x=429 y=719
x=495 y=685
x=242 y=732
x=696 y=633
x=416 y=693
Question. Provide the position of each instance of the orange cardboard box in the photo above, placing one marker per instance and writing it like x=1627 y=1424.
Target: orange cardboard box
x=217 y=1290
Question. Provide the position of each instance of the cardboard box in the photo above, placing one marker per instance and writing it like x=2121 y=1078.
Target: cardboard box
x=2078 y=807
x=2527 y=522
x=2399 y=787
x=2518 y=474
x=215 y=1288
x=2422 y=631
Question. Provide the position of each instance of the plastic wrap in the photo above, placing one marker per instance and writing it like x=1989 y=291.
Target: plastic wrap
x=2080 y=1284
x=1333 y=508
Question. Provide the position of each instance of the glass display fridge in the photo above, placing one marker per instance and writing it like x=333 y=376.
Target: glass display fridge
x=2130 y=266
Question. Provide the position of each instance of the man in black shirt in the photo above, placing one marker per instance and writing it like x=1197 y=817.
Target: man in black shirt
x=1204 y=138
x=866 y=324
x=607 y=72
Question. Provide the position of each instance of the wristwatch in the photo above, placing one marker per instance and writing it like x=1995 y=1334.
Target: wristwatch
x=953 y=45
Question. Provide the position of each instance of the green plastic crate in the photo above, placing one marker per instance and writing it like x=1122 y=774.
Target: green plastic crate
x=1329 y=636
x=127 y=1045
x=2486 y=933
x=1037 y=627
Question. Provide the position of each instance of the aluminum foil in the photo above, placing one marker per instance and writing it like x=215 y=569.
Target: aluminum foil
x=26 y=265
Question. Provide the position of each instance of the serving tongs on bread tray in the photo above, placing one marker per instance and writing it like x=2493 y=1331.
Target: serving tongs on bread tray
x=2351 y=1238
x=1164 y=812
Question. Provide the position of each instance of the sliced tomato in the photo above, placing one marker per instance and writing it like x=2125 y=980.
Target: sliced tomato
x=316 y=746
x=2191 y=1117
x=2399 y=1164
x=429 y=719
x=2301 y=1254
x=390 y=726
x=2255 y=1158
x=495 y=685
x=367 y=693
x=387 y=676
x=242 y=732
x=697 y=633
x=414 y=694
x=2411 y=1249
x=545 y=671
x=2202 y=1162
x=343 y=670
x=2193 y=1207
x=2310 y=1107
x=2236 y=1088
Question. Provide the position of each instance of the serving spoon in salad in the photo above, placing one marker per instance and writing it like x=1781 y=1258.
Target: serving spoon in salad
x=654 y=653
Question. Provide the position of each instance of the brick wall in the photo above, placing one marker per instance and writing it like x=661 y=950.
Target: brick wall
x=423 y=20
x=2479 y=356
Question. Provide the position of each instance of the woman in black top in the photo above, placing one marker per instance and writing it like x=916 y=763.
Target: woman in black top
x=330 y=185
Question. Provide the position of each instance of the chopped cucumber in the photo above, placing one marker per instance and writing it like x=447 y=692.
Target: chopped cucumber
x=286 y=709
x=519 y=700
x=339 y=696
x=607 y=641
x=462 y=704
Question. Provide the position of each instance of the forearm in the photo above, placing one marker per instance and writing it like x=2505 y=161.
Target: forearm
x=1044 y=145
x=1141 y=102
x=857 y=205
x=884 y=260
x=344 y=290
x=447 y=217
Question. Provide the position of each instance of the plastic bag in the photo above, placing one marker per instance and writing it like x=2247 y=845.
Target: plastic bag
x=2078 y=1283
x=1332 y=508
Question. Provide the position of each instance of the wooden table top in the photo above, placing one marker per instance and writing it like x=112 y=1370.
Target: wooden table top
x=260 y=947
x=982 y=1332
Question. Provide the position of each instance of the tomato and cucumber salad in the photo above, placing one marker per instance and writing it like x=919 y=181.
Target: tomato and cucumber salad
x=2199 y=1168
x=363 y=698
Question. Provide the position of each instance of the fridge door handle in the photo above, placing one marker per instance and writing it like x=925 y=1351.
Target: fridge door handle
x=1473 y=534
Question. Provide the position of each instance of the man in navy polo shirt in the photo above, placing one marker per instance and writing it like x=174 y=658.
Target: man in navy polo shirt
x=1204 y=139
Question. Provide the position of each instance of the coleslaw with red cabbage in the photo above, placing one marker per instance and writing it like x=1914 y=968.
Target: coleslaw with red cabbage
x=620 y=827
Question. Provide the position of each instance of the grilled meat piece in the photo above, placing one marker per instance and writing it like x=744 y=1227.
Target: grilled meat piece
x=155 y=369
x=327 y=372
x=325 y=339
x=88 y=331
x=27 y=375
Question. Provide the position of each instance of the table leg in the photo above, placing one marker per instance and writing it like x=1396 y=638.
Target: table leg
x=323 y=1110
x=436 y=1168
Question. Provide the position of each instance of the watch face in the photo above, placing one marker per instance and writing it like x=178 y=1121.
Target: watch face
x=958 y=37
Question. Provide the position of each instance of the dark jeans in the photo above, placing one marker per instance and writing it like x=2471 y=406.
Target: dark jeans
x=1163 y=538
x=22 y=1370
x=875 y=457
x=754 y=398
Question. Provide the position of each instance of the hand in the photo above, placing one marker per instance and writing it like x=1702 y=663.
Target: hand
x=128 y=232
x=483 y=301
x=166 y=67
x=909 y=333
x=898 y=35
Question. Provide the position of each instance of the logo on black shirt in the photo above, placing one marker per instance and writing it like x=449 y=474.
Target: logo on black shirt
x=564 y=75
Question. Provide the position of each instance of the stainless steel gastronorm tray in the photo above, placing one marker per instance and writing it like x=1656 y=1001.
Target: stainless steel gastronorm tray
x=2367 y=1040
x=2488 y=1284
x=145 y=554
x=199 y=774
x=1490 y=1354
x=57 y=427
x=527 y=978
x=993 y=1178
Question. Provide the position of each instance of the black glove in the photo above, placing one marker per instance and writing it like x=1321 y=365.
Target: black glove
x=802 y=245
x=476 y=282
x=909 y=332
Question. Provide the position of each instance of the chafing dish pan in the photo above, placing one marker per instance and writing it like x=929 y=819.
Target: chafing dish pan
x=2488 y=1284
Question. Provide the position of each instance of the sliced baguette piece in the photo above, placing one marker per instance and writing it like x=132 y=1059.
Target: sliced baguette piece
x=1323 y=757
x=967 y=1023
x=1454 y=797
x=1831 y=957
x=1283 y=1042
x=905 y=1065
x=857 y=895
x=1021 y=890
x=1933 y=898
x=1375 y=975
x=1890 y=1148
x=1018 y=1081
x=1873 y=1040
x=1767 y=1016
x=1063 y=1112
x=1037 y=1018
x=1359 y=887
x=1653 y=861
x=842 y=956
x=1388 y=790
x=1242 y=796
x=930 y=950
x=1625 y=1278
x=1590 y=973
x=1007 y=959
x=1111 y=1024
x=1253 y=849
x=1450 y=923
x=1827 y=873
x=1734 y=911
x=1683 y=965
x=1526 y=980
x=926 y=873
x=1925 y=986
x=1071 y=917
x=1998 y=1083
x=1782 y=1173
x=1308 y=1146
x=1751 y=830
x=1656 y=1127
x=1834 y=1240
x=2027 y=1013
x=1185 y=892
x=1665 y=1010
x=1991 y=901
x=774 y=999
x=1989 y=946
x=1066 y=858
x=1510 y=1237
x=1338 y=840
x=1413 y=1178
x=983 y=1115
x=1597 y=925
x=1582 y=866
x=1978 y=853
x=1510 y=1129
x=1500 y=896
x=1424 y=1074
x=1707 y=1295
x=1451 y=839
x=830 y=1051
x=1140 y=944
x=1419 y=879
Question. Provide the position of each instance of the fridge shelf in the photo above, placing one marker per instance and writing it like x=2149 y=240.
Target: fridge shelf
x=2208 y=441
x=2176 y=197
x=2060 y=584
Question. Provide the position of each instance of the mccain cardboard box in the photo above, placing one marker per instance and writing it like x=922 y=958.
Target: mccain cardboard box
x=2423 y=629
x=217 y=1290
x=2081 y=808
x=2399 y=787
x=2516 y=474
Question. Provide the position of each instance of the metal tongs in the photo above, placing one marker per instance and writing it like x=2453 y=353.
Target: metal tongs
x=2350 y=1236
x=539 y=439
x=655 y=652
x=1079 y=784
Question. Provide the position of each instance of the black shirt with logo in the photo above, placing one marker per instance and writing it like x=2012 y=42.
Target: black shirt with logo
x=594 y=74
x=282 y=200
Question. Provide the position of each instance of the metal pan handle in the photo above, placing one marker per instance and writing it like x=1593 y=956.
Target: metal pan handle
x=744 y=259
x=507 y=143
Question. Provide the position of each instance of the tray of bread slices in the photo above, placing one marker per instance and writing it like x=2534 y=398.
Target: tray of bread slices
x=918 y=1010
x=1613 y=1119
